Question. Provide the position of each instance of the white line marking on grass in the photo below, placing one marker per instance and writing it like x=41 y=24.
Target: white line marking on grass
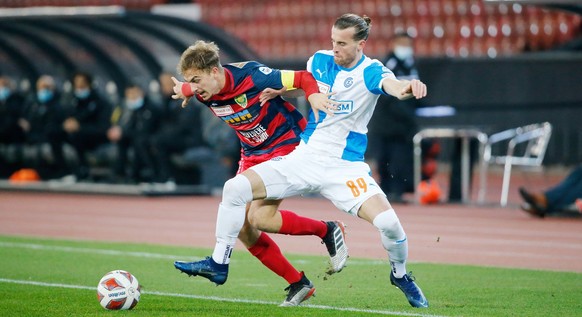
x=221 y=299
x=34 y=246
x=92 y=251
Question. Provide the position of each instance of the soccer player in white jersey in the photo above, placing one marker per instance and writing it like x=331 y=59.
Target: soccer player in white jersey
x=330 y=158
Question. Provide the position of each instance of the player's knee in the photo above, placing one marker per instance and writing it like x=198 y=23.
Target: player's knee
x=389 y=225
x=237 y=191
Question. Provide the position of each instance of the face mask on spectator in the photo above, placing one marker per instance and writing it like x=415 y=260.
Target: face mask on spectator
x=4 y=93
x=134 y=104
x=44 y=95
x=403 y=52
x=82 y=93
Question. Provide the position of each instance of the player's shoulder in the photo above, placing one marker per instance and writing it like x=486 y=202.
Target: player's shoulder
x=243 y=66
x=250 y=68
x=323 y=55
x=372 y=62
x=320 y=59
x=372 y=65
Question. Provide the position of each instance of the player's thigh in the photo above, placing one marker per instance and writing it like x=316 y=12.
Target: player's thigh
x=349 y=185
x=288 y=176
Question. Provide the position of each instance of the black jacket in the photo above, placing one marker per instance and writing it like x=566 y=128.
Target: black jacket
x=45 y=119
x=11 y=110
x=141 y=122
x=394 y=118
x=182 y=122
x=92 y=113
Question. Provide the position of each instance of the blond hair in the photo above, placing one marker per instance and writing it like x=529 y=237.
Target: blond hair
x=200 y=56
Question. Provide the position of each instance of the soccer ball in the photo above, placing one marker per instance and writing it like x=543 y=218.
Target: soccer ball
x=118 y=290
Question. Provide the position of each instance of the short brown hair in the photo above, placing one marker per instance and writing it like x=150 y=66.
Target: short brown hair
x=201 y=56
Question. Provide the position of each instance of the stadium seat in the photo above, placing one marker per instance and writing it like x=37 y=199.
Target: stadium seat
x=522 y=146
x=306 y=19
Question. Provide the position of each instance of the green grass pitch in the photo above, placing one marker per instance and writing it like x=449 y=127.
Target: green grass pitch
x=42 y=277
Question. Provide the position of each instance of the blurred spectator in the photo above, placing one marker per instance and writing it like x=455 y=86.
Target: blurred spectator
x=394 y=124
x=224 y=142
x=11 y=107
x=564 y=197
x=42 y=120
x=86 y=121
x=85 y=124
x=137 y=123
x=11 y=134
x=180 y=130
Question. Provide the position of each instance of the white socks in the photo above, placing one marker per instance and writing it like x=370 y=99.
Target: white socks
x=394 y=240
x=231 y=216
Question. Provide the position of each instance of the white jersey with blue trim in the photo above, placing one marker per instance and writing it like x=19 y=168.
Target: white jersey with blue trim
x=343 y=135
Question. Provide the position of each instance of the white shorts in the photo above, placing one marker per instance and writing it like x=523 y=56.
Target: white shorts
x=346 y=184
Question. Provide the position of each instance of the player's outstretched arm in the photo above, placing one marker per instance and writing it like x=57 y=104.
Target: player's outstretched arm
x=181 y=91
x=404 y=89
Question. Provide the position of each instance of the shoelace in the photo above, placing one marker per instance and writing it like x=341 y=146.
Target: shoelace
x=330 y=247
x=295 y=286
x=411 y=277
x=410 y=286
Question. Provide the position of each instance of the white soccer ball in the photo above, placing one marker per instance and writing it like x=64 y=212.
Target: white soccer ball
x=118 y=290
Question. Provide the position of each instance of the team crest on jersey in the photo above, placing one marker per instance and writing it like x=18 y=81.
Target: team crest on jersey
x=348 y=82
x=265 y=70
x=241 y=100
x=239 y=65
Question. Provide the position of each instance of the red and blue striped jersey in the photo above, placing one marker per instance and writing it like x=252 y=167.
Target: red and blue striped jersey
x=261 y=130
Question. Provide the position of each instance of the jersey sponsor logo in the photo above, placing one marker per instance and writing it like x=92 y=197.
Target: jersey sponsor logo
x=256 y=135
x=241 y=100
x=222 y=110
x=265 y=70
x=320 y=72
x=239 y=65
x=348 y=82
x=323 y=88
x=344 y=107
x=239 y=117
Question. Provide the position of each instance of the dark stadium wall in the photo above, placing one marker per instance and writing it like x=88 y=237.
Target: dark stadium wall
x=496 y=94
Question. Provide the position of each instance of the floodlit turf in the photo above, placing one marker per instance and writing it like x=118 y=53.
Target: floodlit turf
x=58 y=278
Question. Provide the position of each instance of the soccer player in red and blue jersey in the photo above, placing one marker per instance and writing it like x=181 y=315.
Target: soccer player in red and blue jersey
x=266 y=130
